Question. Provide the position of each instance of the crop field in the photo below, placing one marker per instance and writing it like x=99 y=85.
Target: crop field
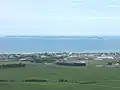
x=104 y=78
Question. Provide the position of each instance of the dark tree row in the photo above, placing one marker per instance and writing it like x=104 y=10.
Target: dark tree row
x=7 y=81
x=89 y=82
x=72 y=64
x=60 y=80
x=12 y=65
x=34 y=80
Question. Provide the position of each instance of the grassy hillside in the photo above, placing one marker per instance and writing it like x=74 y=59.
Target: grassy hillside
x=105 y=78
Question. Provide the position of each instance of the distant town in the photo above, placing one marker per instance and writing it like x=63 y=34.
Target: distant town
x=52 y=56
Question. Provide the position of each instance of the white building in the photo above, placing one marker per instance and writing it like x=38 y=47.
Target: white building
x=104 y=57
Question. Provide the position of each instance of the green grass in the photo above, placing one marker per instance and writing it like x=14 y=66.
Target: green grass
x=106 y=78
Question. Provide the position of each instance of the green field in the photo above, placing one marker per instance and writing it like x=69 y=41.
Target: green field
x=105 y=78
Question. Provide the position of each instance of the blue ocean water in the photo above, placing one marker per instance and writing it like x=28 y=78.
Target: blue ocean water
x=14 y=44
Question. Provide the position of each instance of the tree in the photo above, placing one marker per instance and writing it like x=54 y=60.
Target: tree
x=109 y=63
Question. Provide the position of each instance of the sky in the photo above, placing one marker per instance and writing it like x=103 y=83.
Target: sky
x=60 y=17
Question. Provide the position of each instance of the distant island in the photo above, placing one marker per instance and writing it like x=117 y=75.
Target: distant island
x=83 y=37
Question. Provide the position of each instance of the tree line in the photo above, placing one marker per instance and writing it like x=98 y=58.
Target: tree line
x=60 y=80
x=72 y=64
x=12 y=65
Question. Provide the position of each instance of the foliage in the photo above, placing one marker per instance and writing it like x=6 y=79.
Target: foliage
x=109 y=63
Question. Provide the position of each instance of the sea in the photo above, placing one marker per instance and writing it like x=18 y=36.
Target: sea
x=25 y=44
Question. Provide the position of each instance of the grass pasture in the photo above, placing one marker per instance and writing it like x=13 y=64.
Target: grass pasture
x=105 y=78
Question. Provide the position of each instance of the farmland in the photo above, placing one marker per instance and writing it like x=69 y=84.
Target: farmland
x=105 y=78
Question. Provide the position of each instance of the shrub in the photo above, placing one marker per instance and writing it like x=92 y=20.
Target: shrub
x=61 y=80
x=65 y=81
x=109 y=63
x=12 y=81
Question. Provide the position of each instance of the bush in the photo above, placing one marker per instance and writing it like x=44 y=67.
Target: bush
x=61 y=80
x=12 y=81
x=109 y=63
x=65 y=81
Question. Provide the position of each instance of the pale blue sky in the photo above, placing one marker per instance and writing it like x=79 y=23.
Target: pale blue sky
x=59 y=17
